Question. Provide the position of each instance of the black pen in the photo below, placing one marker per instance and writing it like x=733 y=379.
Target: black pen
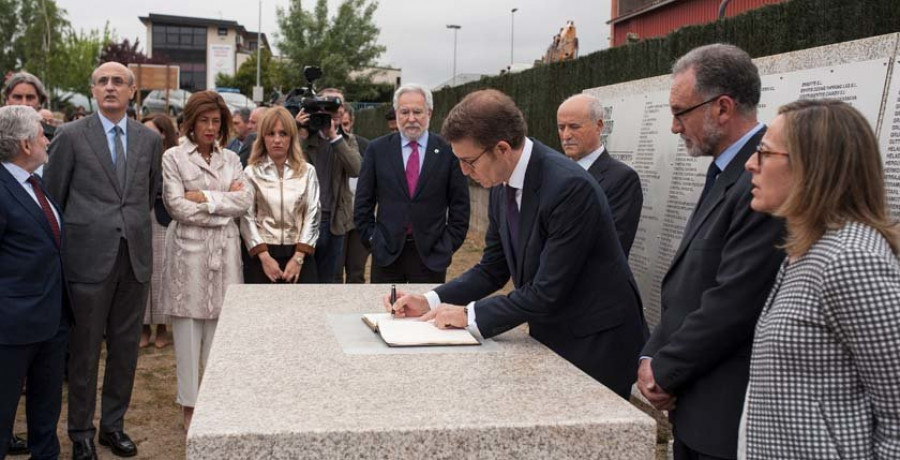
x=393 y=297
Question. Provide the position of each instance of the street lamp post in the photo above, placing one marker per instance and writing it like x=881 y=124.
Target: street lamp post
x=455 y=28
x=512 y=36
x=259 y=45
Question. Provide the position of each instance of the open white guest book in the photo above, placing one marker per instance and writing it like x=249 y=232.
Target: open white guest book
x=410 y=332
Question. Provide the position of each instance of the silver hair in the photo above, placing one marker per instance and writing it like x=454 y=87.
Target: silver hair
x=128 y=73
x=17 y=123
x=723 y=69
x=414 y=88
x=25 y=77
x=596 y=112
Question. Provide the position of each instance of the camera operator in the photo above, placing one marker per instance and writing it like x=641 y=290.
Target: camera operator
x=336 y=158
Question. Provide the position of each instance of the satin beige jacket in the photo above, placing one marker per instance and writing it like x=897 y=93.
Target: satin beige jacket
x=202 y=243
x=285 y=209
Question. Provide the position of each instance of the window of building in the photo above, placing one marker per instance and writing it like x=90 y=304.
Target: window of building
x=223 y=31
x=178 y=37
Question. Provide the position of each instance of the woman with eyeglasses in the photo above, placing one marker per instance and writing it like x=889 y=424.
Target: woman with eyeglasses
x=281 y=227
x=825 y=369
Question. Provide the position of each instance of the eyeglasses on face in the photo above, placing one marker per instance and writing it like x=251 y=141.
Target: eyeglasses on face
x=762 y=152
x=471 y=163
x=677 y=115
x=117 y=81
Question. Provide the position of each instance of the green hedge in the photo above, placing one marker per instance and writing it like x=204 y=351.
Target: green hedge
x=774 y=29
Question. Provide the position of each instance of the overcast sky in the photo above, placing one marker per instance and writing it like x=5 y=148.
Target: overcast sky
x=413 y=31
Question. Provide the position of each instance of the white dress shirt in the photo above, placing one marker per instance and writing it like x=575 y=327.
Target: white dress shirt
x=588 y=160
x=517 y=181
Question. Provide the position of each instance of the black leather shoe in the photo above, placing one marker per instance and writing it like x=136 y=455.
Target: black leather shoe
x=84 y=450
x=17 y=446
x=119 y=442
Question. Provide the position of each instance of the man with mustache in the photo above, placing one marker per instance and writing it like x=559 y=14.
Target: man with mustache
x=421 y=194
x=579 y=122
x=697 y=362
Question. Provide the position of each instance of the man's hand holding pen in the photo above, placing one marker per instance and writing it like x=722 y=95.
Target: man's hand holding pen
x=415 y=305
x=406 y=305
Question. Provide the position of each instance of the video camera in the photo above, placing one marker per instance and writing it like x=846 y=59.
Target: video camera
x=320 y=109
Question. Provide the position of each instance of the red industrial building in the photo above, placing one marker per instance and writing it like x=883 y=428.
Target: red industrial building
x=641 y=19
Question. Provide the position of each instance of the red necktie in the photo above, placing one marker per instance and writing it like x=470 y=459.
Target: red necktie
x=45 y=206
x=412 y=169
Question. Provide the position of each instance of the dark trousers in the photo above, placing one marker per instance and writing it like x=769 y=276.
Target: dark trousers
x=246 y=261
x=682 y=451
x=407 y=268
x=328 y=251
x=254 y=274
x=41 y=367
x=352 y=260
x=114 y=307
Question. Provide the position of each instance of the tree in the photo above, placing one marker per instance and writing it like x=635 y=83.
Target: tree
x=271 y=75
x=8 y=30
x=341 y=45
x=45 y=26
x=30 y=33
x=77 y=57
x=125 y=52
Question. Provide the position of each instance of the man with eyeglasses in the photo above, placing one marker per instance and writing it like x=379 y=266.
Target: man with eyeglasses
x=696 y=363
x=552 y=232
x=103 y=172
x=422 y=197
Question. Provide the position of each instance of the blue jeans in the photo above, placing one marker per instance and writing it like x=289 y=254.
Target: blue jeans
x=328 y=251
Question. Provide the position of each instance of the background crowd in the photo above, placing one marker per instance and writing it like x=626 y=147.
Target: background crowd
x=779 y=309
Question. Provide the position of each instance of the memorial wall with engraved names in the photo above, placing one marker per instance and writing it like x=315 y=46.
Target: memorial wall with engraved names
x=638 y=125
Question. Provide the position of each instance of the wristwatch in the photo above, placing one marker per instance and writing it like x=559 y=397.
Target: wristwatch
x=299 y=259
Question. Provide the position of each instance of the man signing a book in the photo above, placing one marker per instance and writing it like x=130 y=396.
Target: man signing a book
x=551 y=230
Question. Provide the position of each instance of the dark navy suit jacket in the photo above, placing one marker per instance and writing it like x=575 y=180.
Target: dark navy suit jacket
x=622 y=187
x=32 y=285
x=438 y=211
x=712 y=296
x=572 y=282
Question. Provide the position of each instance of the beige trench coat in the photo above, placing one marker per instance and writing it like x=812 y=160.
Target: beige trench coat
x=202 y=243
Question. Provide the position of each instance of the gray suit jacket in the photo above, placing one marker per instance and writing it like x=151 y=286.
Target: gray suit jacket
x=98 y=212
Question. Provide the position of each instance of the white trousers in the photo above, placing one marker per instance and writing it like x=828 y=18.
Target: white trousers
x=193 y=339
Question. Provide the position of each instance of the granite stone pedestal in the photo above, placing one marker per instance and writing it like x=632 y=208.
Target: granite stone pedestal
x=279 y=385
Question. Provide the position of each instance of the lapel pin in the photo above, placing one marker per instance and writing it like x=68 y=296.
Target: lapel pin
x=436 y=150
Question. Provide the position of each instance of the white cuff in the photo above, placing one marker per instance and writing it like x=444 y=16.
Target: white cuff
x=472 y=326
x=210 y=203
x=433 y=299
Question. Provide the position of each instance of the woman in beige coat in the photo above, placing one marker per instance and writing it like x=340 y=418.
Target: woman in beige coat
x=204 y=191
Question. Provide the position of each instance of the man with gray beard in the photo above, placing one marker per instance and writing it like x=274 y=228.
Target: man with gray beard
x=697 y=361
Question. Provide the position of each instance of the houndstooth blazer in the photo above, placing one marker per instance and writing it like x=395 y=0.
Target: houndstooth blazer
x=825 y=369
